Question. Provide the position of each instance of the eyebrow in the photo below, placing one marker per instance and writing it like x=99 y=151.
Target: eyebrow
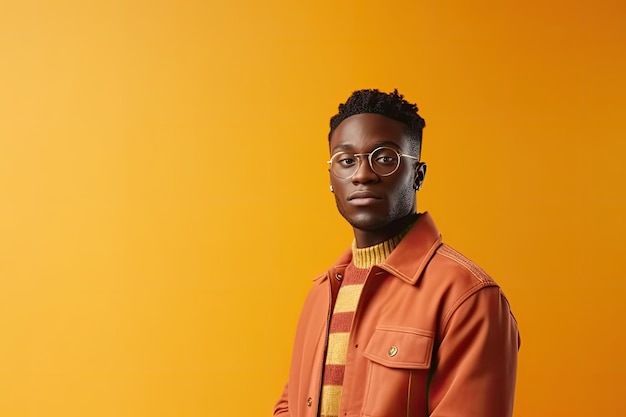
x=348 y=147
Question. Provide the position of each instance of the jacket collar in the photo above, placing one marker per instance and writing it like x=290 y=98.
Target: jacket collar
x=409 y=258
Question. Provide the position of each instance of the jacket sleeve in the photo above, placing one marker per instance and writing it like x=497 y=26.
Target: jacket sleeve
x=476 y=361
x=282 y=406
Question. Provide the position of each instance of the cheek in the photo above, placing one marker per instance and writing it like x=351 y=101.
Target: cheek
x=338 y=186
x=403 y=195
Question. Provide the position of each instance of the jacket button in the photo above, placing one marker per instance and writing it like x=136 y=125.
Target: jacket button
x=309 y=402
x=339 y=277
x=393 y=351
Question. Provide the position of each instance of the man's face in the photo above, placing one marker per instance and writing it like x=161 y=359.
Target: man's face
x=368 y=201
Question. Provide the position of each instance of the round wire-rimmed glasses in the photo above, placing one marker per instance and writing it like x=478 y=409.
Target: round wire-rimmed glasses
x=383 y=161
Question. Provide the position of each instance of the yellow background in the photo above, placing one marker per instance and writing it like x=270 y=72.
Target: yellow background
x=164 y=193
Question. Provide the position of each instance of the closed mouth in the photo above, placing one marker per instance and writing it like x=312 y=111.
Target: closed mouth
x=363 y=194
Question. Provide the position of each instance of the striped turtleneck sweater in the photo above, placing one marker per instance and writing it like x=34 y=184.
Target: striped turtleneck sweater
x=341 y=320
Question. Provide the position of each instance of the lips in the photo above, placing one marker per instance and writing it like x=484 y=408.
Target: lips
x=363 y=198
x=363 y=194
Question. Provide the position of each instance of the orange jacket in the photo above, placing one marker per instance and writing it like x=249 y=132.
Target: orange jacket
x=433 y=335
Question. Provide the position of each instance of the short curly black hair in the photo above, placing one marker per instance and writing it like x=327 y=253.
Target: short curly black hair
x=392 y=105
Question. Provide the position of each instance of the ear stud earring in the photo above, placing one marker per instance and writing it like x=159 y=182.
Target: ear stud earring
x=331 y=189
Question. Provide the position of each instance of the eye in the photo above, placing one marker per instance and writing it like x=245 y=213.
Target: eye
x=385 y=156
x=385 y=160
x=346 y=160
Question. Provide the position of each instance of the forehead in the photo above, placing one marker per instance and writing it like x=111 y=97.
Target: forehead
x=363 y=132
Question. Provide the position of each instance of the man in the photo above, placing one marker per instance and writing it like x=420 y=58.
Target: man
x=401 y=324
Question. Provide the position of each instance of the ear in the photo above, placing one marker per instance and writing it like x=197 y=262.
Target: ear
x=420 y=174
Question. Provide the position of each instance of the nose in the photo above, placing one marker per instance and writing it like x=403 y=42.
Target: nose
x=364 y=172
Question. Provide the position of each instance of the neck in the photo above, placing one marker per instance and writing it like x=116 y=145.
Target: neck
x=367 y=238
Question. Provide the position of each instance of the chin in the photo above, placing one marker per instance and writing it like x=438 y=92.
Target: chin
x=374 y=220
x=367 y=222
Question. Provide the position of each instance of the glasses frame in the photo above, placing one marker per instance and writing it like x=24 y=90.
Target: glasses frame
x=369 y=160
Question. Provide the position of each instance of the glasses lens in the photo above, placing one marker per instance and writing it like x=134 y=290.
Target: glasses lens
x=385 y=161
x=344 y=164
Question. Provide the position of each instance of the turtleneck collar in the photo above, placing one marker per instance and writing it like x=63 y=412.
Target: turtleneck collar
x=374 y=255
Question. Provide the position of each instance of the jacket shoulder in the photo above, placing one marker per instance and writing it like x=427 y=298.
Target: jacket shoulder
x=460 y=279
x=474 y=274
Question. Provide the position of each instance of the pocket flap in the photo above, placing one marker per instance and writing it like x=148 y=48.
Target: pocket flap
x=400 y=347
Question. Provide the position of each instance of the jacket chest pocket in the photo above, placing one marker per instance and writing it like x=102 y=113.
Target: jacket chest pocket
x=399 y=364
